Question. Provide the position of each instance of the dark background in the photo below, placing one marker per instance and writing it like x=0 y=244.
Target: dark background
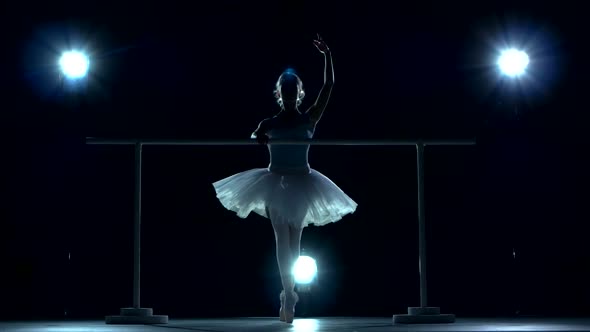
x=403 y=71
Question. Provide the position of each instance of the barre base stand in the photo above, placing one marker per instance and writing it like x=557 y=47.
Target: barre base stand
x=137 y=316
x=424 y=315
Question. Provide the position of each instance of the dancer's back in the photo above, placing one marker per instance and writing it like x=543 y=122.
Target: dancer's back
x=290 y=158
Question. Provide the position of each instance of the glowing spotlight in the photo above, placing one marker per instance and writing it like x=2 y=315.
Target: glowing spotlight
x=74 y=64
x=306 y=325
x=513 y=62
x=305 y=270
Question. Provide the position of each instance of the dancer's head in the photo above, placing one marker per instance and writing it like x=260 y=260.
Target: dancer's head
x=289 y=89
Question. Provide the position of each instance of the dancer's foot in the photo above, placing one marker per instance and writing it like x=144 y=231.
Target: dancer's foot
x=291 y=299
x=282 y=310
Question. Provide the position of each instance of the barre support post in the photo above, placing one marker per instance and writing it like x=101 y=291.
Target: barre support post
x=422 y=314
x=137 y=226
x=137 y=314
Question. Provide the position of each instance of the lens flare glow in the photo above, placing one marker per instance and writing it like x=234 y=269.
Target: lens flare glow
x=74 y=64
x=305 y=270
x=513 y=62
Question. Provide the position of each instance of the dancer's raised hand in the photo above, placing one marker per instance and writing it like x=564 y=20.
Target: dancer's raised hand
x=321 y=44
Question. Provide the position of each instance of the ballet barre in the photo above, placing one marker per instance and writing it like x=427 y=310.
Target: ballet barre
x=106 y=141
x=422 y=314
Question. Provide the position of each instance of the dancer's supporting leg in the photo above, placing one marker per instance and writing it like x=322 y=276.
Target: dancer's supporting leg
x=288 y=239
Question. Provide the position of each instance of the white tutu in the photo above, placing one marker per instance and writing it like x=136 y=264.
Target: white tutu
x=300 y=199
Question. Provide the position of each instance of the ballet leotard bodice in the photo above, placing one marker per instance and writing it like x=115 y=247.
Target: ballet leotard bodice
x=290 y=158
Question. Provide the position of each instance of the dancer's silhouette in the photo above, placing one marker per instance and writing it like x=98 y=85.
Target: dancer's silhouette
x=289 y=192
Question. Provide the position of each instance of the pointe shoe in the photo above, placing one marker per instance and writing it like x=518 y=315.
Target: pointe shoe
x=282 y=310
x=291 y=299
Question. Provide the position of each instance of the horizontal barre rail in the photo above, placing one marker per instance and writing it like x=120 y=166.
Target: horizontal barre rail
x=106 y=141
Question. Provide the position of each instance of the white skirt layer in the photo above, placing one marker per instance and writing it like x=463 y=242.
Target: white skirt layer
x=299 y=199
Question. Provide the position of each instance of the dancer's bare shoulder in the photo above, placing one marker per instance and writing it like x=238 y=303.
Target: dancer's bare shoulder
x=263 y=127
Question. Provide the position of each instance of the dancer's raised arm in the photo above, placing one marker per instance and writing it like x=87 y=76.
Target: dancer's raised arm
x=317 y=109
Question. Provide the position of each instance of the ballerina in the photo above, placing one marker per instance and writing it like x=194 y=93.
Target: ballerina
x=290 y=193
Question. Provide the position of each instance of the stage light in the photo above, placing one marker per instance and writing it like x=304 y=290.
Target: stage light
x=513 y=62
x=74 y=64
x=306 y=325
x=305 y=270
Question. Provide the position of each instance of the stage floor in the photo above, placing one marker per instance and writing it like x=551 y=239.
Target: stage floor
x=304 y=325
